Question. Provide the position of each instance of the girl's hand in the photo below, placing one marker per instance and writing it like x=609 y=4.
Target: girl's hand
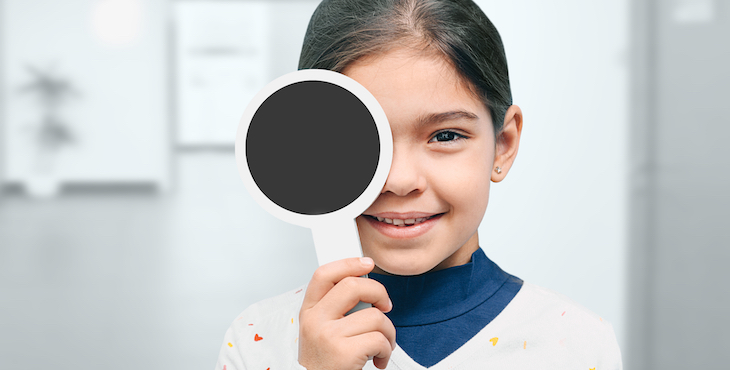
x=329 y=340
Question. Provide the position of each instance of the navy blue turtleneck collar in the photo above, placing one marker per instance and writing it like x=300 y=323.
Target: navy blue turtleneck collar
x=451 y=300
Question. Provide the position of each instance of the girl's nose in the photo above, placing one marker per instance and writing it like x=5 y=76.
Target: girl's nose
x=405 y=176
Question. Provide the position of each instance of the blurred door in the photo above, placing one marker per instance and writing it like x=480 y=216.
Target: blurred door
x=2 y=109
x=680 y=181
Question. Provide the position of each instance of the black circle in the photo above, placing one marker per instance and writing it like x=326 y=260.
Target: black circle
x=312 y=147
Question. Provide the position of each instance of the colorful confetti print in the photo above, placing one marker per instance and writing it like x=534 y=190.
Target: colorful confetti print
x=230 y=345
x=256 y=338
x=563 y=314
x=524 y=345
x=494 y=341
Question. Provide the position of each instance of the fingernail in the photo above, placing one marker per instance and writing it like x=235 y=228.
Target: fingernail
x=391 y=304
x=366 y=261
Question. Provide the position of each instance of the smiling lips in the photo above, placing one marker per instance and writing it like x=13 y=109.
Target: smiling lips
x=403 y=222
x=403 y=226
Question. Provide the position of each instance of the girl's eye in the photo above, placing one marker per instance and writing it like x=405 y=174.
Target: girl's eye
x=446 y=136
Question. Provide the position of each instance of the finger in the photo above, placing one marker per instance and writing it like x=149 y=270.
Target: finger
x=367 y=320
x=327 y=275
x=348 y=292
x=380 y=363
x=373 y=345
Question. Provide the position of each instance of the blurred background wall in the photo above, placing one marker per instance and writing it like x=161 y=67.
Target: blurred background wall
x=2 y=113
x=680 y=173
x=74 y=72
x=127 y=239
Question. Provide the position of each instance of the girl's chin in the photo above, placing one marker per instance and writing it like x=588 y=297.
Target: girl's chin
x=406 y=258
x=402 y=269
x=399 y=272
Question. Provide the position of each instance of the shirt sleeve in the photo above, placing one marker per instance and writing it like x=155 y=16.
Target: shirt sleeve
x=230 y=357
x=239 y=352
x=612 y=360
x=264 y=336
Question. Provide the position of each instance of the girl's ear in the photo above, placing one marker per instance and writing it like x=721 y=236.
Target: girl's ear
x=507 y=142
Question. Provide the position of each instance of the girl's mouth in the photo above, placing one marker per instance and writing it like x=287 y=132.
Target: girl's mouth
x=403 y=222
x=403 y=228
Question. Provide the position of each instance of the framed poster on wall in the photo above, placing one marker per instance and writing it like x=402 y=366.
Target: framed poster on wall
x=221 y=62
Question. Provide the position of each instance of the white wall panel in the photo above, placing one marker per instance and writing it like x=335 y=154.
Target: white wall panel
x=115 y=54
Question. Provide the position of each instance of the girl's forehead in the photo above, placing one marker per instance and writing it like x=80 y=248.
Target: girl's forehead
x=400 y=61
x=410 y=83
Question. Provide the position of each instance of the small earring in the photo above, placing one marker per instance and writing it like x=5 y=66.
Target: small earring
x=498 y=170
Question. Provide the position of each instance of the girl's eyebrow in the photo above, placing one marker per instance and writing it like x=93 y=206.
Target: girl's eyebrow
x=434 y=118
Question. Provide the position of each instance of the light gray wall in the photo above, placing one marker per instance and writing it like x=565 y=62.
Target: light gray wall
x=289 y=20
x=559 y=218
x=680 y=239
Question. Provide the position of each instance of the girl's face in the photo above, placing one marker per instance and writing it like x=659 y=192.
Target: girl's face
x=443 y=158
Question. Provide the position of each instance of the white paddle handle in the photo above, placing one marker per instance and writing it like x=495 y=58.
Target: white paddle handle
x=335 y=241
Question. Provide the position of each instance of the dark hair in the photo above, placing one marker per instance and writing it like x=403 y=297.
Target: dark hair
x=342 y=31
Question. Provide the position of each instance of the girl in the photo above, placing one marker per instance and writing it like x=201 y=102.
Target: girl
x=438 y=69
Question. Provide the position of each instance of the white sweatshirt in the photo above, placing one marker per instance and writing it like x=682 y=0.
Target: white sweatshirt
x=538 y=329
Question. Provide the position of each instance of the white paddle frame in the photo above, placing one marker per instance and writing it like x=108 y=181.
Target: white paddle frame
x=335 y=234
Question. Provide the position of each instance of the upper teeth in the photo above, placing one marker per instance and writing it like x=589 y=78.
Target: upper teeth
x=402 y=222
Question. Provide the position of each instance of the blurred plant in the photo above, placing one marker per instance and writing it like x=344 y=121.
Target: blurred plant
x=52 y=92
